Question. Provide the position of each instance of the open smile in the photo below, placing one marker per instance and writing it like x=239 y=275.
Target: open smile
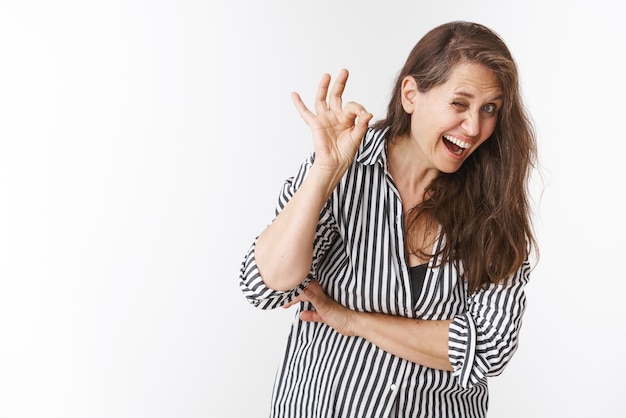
x=455 y=145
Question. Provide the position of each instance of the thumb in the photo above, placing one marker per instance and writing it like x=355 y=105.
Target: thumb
x=310 y=316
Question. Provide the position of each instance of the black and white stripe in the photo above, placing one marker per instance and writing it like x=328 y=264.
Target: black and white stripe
x=359 y=260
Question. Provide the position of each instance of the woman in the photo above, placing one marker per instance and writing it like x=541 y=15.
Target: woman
x=405 y=245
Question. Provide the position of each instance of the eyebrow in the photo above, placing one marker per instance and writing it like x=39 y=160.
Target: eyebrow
x=471 y=96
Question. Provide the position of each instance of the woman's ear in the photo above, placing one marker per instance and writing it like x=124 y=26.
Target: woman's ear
x=408 y=94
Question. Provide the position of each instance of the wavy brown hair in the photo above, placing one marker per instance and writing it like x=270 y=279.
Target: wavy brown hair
x=483 y=207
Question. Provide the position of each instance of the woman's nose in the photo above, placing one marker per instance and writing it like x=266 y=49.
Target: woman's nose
x=471 y=124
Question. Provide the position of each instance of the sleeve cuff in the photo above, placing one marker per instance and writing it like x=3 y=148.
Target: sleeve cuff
x=256 y=291
x=469 y=368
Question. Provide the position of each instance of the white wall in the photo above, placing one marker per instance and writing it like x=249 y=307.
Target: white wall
x=142 y=146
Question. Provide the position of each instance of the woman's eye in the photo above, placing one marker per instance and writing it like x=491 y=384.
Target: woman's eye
x=459 y=105
x=490 y=108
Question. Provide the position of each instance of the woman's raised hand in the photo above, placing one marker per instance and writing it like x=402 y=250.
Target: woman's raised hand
x=337 y=129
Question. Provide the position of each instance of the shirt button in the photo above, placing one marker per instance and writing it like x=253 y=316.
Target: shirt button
x=393 y=387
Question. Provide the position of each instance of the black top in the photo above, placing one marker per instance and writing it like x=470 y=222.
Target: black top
x=418 y=275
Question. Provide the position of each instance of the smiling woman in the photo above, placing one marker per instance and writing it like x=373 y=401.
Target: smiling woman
x=459 y=114
x=404 y=244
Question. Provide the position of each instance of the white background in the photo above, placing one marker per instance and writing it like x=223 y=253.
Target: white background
x=142 y=147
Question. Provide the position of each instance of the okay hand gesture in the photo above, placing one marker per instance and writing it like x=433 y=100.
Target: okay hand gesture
x=337 y=129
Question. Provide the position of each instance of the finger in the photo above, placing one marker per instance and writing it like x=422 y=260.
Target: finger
x=362 y=124
x=293 y=302
x=352 y=110
x=359 y=116
x=304 y=111
x=322 y=92
x=338 y=87
x=313 y=289
x=315 y=294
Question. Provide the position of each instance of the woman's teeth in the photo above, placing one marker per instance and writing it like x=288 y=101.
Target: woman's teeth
x=460 y=145
x=458 y=142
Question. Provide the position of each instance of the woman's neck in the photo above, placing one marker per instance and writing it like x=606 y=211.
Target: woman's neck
x=412 y=174
x=409 y=169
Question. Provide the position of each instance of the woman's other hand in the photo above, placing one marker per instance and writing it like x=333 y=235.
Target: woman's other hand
x=327 y=310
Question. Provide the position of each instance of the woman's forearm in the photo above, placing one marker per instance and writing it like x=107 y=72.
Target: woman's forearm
x=284 y=250
x=421 y=341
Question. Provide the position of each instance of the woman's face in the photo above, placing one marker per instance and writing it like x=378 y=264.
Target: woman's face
x=451 y=120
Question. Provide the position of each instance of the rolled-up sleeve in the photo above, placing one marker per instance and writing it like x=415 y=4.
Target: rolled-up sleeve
x=250 y=280
x=483 y=339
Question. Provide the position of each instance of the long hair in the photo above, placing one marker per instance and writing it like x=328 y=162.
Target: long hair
x=483 y=207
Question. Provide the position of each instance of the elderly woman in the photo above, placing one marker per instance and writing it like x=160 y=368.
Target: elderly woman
x=404 y=244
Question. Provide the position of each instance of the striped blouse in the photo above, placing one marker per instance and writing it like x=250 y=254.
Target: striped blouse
x=360 y=261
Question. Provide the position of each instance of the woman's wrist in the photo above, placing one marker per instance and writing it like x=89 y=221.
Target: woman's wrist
x=325 y=179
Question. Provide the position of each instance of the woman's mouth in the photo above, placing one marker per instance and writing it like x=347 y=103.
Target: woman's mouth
x=455 y=145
